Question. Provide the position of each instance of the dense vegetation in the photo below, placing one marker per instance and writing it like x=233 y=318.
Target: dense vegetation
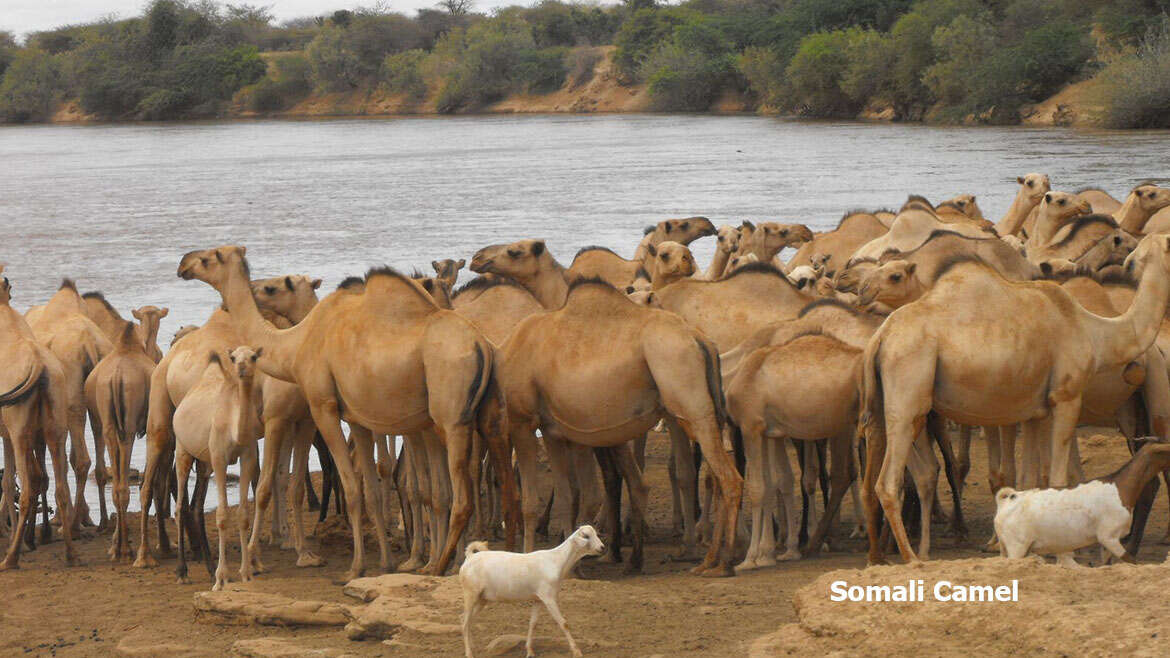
x=945 y=60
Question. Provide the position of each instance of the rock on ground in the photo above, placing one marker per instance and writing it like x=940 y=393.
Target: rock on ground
x=279 y=647
x=1094 y=611
x=423 y=604
x=268 y=609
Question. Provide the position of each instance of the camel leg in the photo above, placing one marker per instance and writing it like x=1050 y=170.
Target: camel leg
x=363 y=441
x=524 y=442
x=585 y=466
x=440 y=498
x=81 y=462
x=304 y=441
x=413 y=454
x=786 y=485
x=122 y=497
x=1064 y=424
x=705 y=432
x=924 y=469
x=198 y=518
x=613 y=495
x=249 y=464
x=964 y=454
x=101 y=475
x=8 y=486
x=475 y=474
x=276 y=432
x=183 y=463
x=561 y=516
x=158 y=440
x=162 y=502
x=219 y=471
x=17 y=455
x=676 y=514
x=457 y=439
x=903 y=432
x=680 y=450
x=638 y=492
x=279 y=535
x=757 y=487
x=329 y=423
x=387 y=463
x=809 y=476
x=841 y=477
x=115 y=450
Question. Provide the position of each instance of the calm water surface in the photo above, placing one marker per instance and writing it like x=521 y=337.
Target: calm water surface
x=115 y=206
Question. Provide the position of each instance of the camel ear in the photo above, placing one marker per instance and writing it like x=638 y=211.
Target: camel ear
x=1020 y=180
x=259 y=353
x=460 y=264
x=165 y=311
x=1048 y=197
x=288 y=283
x=972 y=198
x=1046 y=268
x=668 y=227
x=435 y=265
x=269 y=290
x=538 y=247
x=316 y=283
x=136 y=314
x=911 y=267
x=650 y=249
x=748 y=225
x=1166 y=239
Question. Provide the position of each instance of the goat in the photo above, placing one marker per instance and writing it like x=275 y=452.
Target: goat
x=536 y=576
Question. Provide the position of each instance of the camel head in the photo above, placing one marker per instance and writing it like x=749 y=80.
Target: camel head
x=1151 y=198
x=642 y=297
x=683 y=231
x=213 y=266
x=183 y=331
x=448 y=269
x=1153 y=250
x=1033 y=187
x=641 y=280
x=5 y=287
x=737 y=262
x=892 y=284
x=728 y=239
x=849 y=278
x=1062 y=206
x=436 y=287
x=803 y=277
x=777 y=236
x=292 y=296
x=522 y=260
x=150 y=314
x=670 y=261
x=244 y=359
x=966 y=204
x=1109 y=251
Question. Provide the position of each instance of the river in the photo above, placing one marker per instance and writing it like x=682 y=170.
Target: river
x=115 y=206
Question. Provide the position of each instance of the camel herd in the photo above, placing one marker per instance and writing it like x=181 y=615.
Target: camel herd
x=879 y=346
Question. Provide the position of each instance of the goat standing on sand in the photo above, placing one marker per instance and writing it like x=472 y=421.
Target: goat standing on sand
x=536 y=576
x=1059 y=521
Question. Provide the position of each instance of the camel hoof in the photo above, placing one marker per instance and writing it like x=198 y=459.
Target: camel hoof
x=408 y=566
x=718 y=571
x=308 y=559
x=746 y=565
x=9 y=566
x=348 y=576
x=879 y=561
x=144 y=561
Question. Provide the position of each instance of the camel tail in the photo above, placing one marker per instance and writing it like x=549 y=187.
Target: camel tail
x=478 y=385
x=475 y=547
x=872 y=410
x=35 y=379
x=714 y=381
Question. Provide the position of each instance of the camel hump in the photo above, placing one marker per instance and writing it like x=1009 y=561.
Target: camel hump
x=128 y=338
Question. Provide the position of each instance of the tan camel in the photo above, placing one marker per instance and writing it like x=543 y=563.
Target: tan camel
x=683 y=231
x=107 y=317
x=619 y=272
x=830 y=251
x=79 y=344
x=666 y=368
x=669 y=262
x=32 y=411
x=447 y=270
x=917 y=362
x=1142 y=202
x=1091 y=242
x=117 y=393
x=1101 y=201
x=727 y=242
x=216 y=424
x=429 y=368
x=1033 y=187
x=1056 y=211
x=915 y=223
x=965 y=204
x=767 y=239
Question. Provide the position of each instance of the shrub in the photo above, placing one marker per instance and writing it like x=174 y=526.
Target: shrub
x=402 y=74
x=478 y=65
x=640 y=35
x=334 y=66
x=680 y=79
x=286 y=83
x=764 y=72
x=540 y=70
x=1135 y=91
x=164 y=104
x=32 y=85
x=815 y=72
x=581 y=63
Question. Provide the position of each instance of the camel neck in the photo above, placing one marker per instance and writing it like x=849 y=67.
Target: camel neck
x=1137 y=472
x=150 y=332
x=718 y=264
x=549 y=287
x=1119 y=340
x=280 y=346
x=244 y=427
x=1013 y=221
x=1130 y=216
x=1046 y=226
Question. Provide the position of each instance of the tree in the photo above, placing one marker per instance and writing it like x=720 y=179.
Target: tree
x=456 y=7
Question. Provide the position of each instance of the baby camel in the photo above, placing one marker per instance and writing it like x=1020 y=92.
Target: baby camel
x=218 y=422
x=536 y=576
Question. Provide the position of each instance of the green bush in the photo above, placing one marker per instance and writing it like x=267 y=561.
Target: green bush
x=164 y=104
x=286 y=83
x=581 y=62
x=479 y=65
x=815 y=72
x=641 y=34
x=764 y=71
x=32 y=85
x=684 y=80
x=1135 y=91
x=540 y=70
x=335 y=67
x=402 y=73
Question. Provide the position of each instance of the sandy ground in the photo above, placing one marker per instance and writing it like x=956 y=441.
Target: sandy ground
x=100 y=608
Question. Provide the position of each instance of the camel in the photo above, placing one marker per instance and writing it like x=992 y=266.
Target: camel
x=117 y=393
x=767 y=239
x=915 y=223
x=421 y=368
x=966 y=206
x=1159 y=222
x=33 y=400
x=668 y=262
x=683 y=231
x=217 y=423
x=1057 y=210
x=62 y=326
x=1142 y=202
x=448 y=270
x=933 y=354
x=832 y=249
x=727 y=242
x=619 y=272
x=1033 y=187
x=1099 y=200
x=1091 y=242
x=107 y=317
x=630 y=366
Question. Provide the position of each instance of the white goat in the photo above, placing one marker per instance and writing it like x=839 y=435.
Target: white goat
x=536 y=576
x=1059 y=521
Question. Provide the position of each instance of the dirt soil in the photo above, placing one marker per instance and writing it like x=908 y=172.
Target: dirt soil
x=103 y=608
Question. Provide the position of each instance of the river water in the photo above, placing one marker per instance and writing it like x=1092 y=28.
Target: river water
x=115 y=206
